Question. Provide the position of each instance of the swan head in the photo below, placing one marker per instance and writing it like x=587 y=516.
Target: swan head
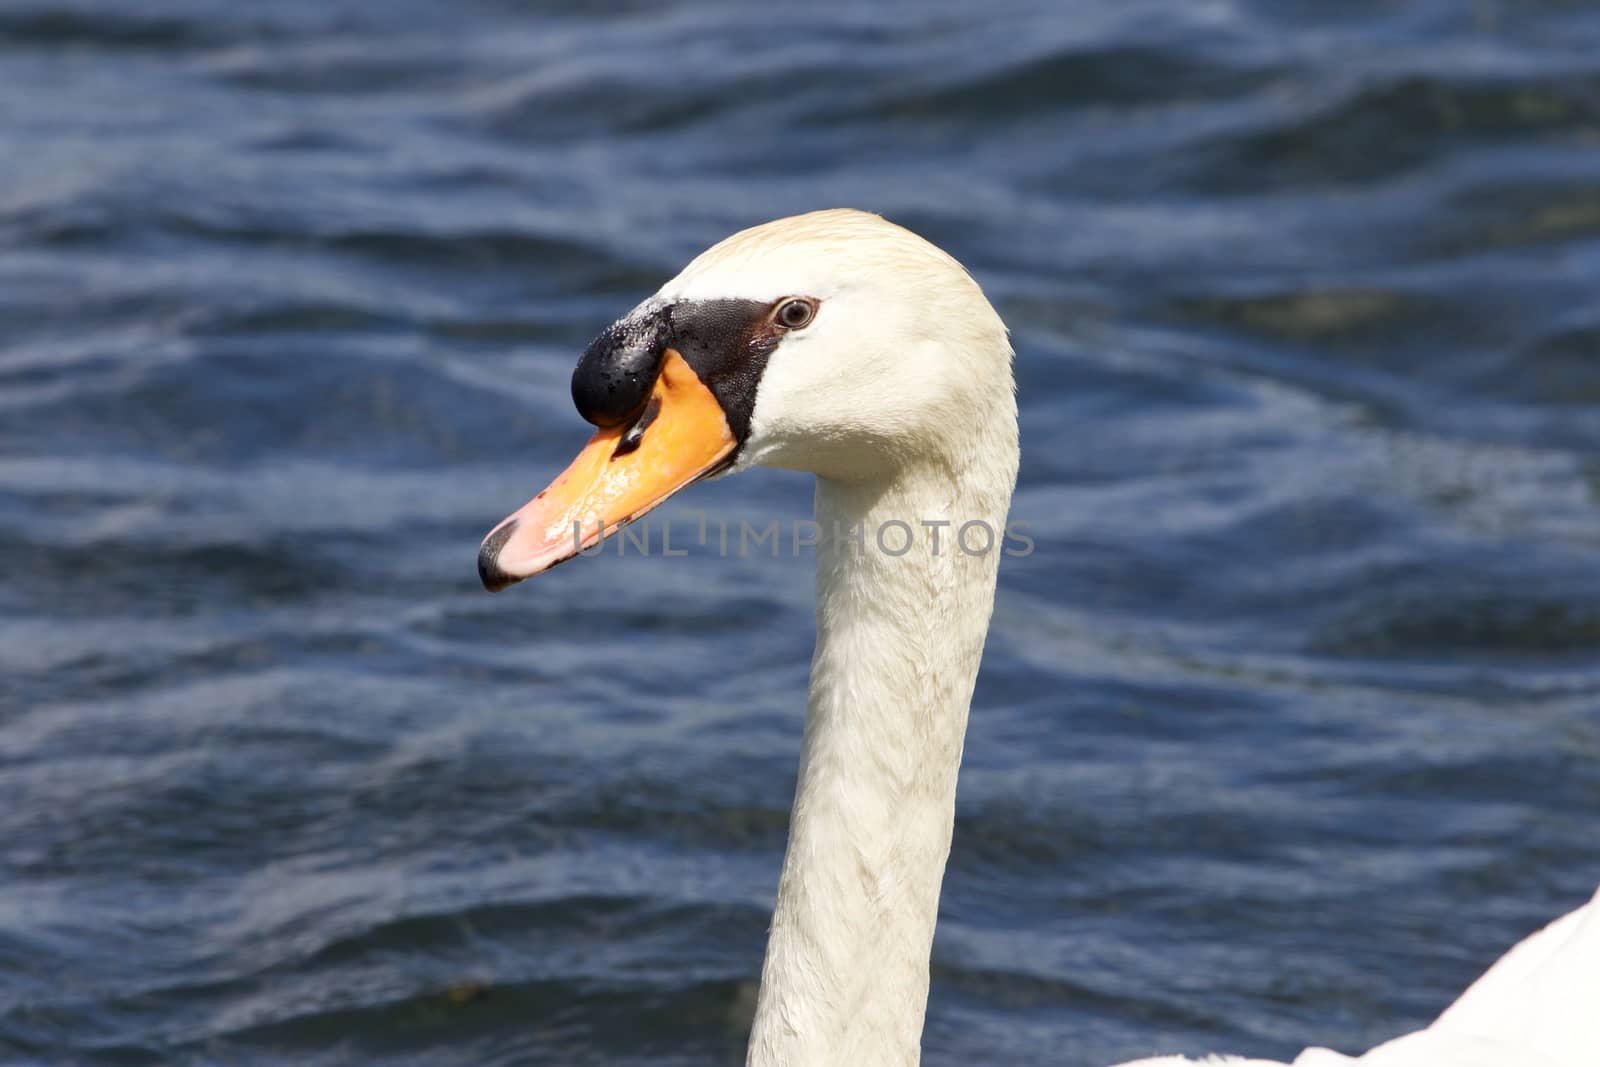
x=833 y=342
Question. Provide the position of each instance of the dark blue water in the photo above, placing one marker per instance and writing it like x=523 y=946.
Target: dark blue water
x=1289 y=726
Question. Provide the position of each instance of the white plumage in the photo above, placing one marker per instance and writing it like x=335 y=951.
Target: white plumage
x=899 y=398
x=1539 y=1006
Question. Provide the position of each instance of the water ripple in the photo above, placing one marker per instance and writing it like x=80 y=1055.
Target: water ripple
x=1300 y=669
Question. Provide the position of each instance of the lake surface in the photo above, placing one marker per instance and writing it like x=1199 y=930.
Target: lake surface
x=1288 y=727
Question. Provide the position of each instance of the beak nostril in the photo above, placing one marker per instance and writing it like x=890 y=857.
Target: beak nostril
x=635 y=433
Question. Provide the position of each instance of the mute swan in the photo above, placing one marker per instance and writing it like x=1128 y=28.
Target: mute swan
x=840 y=344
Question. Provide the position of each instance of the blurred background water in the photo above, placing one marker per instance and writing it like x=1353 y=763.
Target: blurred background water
x=1288 y=728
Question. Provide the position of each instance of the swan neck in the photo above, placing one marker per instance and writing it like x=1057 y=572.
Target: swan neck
x=899 y=639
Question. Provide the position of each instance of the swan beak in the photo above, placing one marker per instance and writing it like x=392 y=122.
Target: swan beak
x=680 y=436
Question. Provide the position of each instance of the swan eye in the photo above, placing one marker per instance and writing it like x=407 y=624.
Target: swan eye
x=795 y=314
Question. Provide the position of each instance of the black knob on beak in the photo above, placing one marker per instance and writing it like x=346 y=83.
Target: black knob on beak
x=613 y=380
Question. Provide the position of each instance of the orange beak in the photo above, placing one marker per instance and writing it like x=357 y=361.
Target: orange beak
x=622 y=473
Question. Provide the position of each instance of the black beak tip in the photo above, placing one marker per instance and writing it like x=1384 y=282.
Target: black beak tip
x=489 y=573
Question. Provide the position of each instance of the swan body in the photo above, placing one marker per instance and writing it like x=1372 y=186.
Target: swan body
x=1538 y=1006
x=840 y=344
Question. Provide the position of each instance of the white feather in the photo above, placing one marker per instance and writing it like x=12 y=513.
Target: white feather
x=899 y=398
